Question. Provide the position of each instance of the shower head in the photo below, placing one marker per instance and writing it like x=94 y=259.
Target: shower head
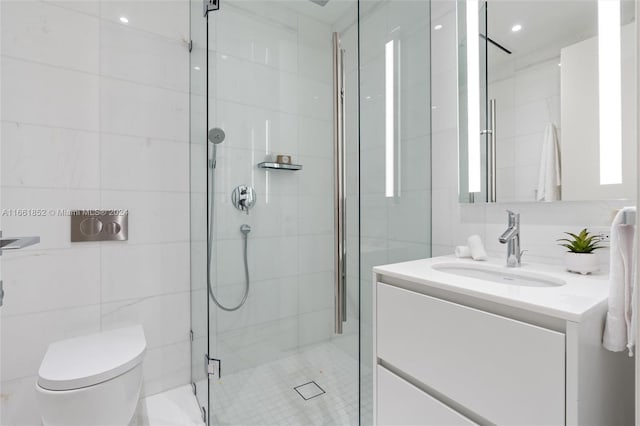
x=320 y=2
x=216 y=135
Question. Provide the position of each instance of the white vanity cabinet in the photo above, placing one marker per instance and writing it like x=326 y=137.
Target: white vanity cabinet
x=401 y=403
x=480 y=360
x=445 y=358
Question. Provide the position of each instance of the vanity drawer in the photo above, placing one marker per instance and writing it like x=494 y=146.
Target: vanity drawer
x=401 y=403
x=505 y=371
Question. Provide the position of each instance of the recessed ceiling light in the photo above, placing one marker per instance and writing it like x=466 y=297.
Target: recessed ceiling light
x=559 y=64
x=437 y=27
x=516 y=28
x=196 y=68
x=124 y=19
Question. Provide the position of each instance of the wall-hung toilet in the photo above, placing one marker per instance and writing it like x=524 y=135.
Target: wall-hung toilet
x=92 y=380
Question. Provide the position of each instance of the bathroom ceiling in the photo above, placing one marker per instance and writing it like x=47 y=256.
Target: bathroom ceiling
x=547 y=26
x=330 y=14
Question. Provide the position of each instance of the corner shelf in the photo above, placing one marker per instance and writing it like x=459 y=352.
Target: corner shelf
x=279 y=166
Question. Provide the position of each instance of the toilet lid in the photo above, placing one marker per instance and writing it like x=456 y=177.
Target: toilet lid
x=89 y=360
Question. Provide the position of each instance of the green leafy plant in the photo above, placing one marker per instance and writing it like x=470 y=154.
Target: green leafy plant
x=582 y=242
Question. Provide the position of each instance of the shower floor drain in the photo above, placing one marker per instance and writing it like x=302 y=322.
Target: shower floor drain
x=309 y=390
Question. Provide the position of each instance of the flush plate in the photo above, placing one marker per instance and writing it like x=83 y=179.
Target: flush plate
x=99 y=225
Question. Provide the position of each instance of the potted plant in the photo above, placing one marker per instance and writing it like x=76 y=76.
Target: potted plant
x=581 y=257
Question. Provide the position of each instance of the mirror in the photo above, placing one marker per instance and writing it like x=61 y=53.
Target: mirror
x=547 y=100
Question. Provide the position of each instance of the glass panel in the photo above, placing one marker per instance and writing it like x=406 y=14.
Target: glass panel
x=198 y=199
x=270 y=89
x=395 y=151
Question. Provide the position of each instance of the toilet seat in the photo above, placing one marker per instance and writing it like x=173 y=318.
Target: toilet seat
x=88 y=360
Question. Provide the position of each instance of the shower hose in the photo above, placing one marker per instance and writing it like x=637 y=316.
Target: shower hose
x=245 y=229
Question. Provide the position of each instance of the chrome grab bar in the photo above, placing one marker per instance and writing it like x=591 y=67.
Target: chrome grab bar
x=340 y=300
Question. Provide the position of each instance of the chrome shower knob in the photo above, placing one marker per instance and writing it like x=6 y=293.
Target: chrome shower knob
x=243 y=198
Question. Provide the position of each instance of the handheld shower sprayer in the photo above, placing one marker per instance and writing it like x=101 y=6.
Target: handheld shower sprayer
x=216 y=136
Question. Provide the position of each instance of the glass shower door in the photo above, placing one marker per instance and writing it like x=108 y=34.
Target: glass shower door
x=198 y=202
x=394 y=153
x=270 y=186
x=270 y=89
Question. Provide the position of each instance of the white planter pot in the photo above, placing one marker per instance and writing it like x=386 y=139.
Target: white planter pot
x=582 y=263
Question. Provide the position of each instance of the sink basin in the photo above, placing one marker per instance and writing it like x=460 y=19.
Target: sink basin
x=500 y=275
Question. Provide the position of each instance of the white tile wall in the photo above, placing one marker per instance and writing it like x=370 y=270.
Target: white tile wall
x=43 y=33
x=132 y=108
x=541 y=223
x=526 y=102
x=134 y=55
x=170 y=18
x=89 y=7
x=30 y=88
x=94 y=114
x=47 y=157
x=36 y=283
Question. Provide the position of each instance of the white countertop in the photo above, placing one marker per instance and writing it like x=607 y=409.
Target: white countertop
x=570 y=302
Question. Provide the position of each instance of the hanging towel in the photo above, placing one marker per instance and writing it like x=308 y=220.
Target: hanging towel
x=619 y=328
x=549 y=175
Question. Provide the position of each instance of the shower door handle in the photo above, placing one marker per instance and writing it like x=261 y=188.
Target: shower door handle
x=491 y=153
x=340 y=287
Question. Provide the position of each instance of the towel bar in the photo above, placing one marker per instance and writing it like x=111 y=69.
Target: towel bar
x=630 y=217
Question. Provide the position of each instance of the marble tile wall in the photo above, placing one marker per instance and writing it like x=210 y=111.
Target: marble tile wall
x=94 y=114
x=526 y=102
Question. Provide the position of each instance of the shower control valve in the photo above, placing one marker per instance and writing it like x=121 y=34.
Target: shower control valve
x=243 y=198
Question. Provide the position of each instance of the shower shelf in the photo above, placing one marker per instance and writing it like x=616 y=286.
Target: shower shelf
x=279 y=166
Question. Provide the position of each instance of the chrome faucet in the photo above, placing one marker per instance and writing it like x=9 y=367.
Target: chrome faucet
x=511 y=237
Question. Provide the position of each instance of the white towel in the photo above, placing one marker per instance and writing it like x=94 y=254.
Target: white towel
x=619 y=328
x=477 y=248
x=549 y=176
x=463 y=251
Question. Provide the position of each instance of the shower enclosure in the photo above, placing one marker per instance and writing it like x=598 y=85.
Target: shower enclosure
x=317 y=169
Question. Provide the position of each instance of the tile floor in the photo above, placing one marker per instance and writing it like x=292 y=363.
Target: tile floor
x=265 y=395
x=177 y=407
